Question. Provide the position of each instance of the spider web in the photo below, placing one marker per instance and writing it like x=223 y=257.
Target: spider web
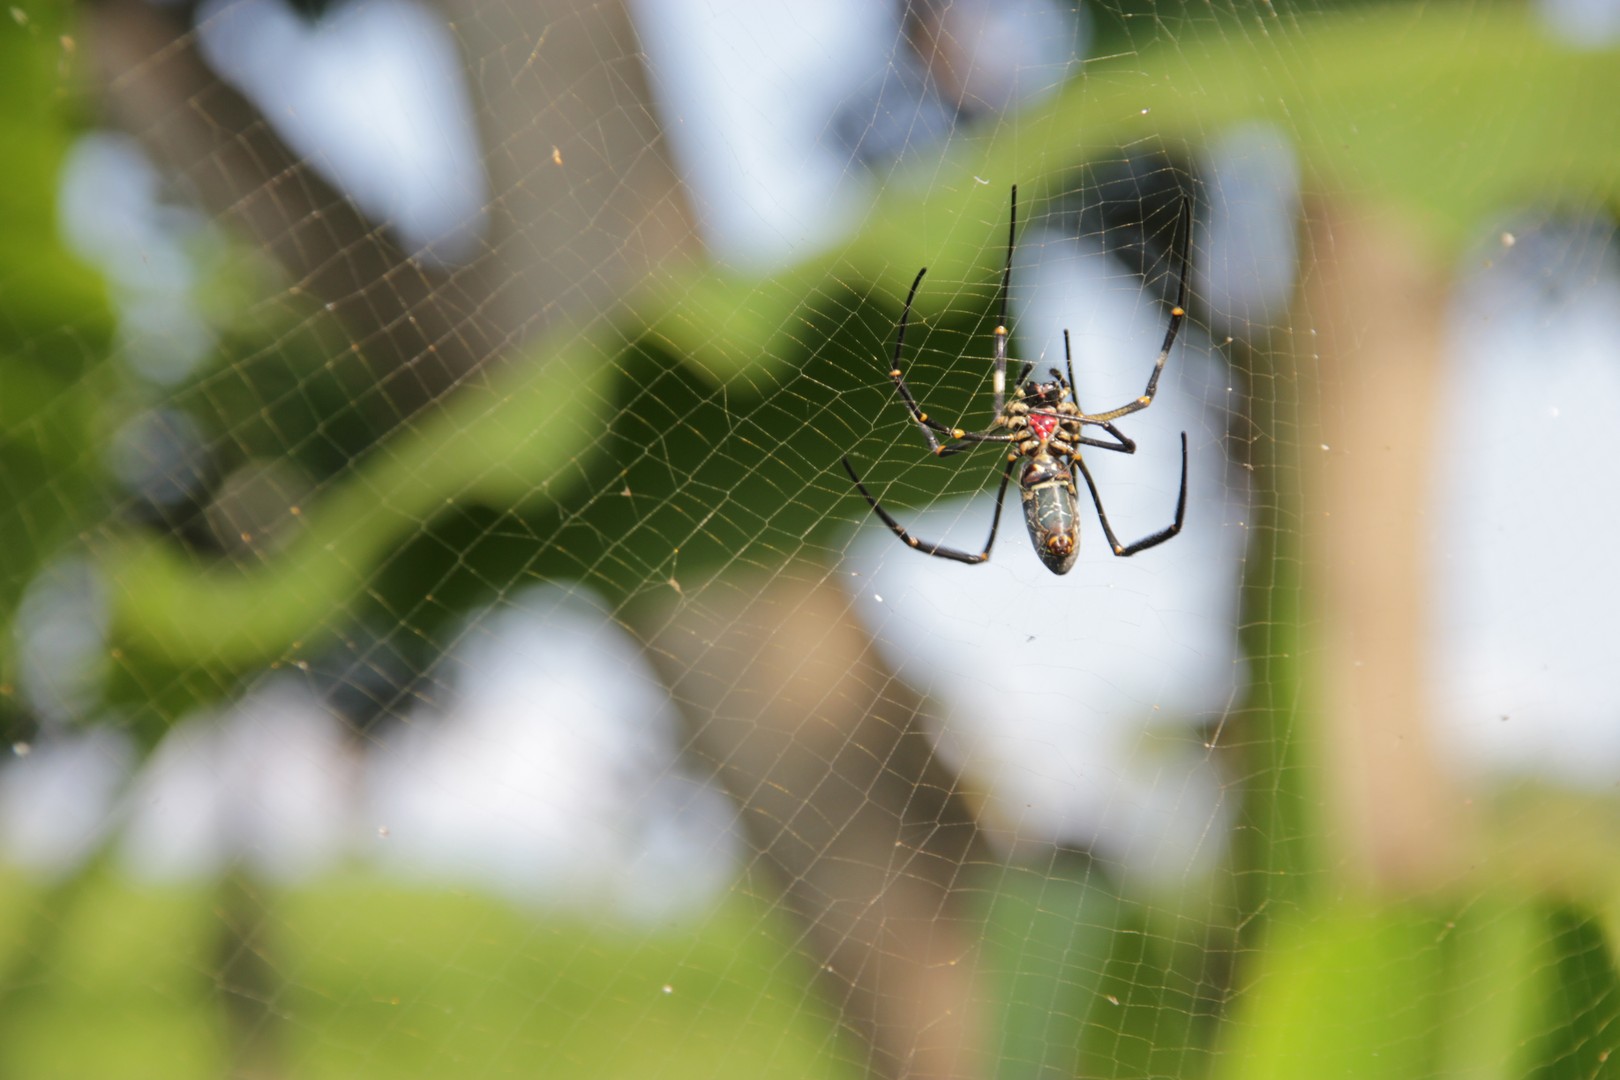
x=440 y=637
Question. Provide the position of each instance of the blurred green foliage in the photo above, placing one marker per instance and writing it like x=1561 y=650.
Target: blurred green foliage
x=382 y=981
x=55 y=328
x=376 y=979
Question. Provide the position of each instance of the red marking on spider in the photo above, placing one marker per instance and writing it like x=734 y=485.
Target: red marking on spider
x=1043 y=425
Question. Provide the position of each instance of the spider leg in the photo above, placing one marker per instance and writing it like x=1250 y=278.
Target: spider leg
x=939 y=550
x=1147 y=541
x=1177 y=314
x=1068 y=361
x=999 y=380
x=964 y=440
x=967 y=440
x=1125 y=444
x=927 y=425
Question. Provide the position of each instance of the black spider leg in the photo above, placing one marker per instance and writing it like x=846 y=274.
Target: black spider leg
x=1126 y=444
x=963 y=440
x=924 y=423
x=999 y=379
x=967 y=440
x=1177 y=314
x=924 y=546
x=1147 y=541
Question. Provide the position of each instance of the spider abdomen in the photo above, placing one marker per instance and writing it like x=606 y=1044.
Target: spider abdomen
x=1049 y=513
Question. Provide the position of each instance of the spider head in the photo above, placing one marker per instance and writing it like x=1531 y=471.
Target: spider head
x=1043 y=395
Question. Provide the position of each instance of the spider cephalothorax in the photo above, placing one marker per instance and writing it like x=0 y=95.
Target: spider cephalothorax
x=1043 y=423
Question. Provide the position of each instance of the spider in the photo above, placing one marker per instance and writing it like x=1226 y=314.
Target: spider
x=1041 y=422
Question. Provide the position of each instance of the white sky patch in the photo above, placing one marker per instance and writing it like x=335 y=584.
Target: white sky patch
x=552 y=775
x=113 y=213
x=61 y=638
x=1016 y=50
x=747 y=90
x=1072 y=698
x=1526 y=582
x=753 y=95
x=268 y=781
x=1248 y=246
x=1582 y=24
x=372 y=94
x=56 y=802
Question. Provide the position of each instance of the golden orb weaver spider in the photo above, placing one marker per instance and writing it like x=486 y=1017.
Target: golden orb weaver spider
x=1043 y=422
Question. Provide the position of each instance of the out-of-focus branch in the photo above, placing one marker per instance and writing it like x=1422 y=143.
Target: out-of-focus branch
x=584 y=204
x=858 y=824
x=421 y=331
x=1378 y=305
